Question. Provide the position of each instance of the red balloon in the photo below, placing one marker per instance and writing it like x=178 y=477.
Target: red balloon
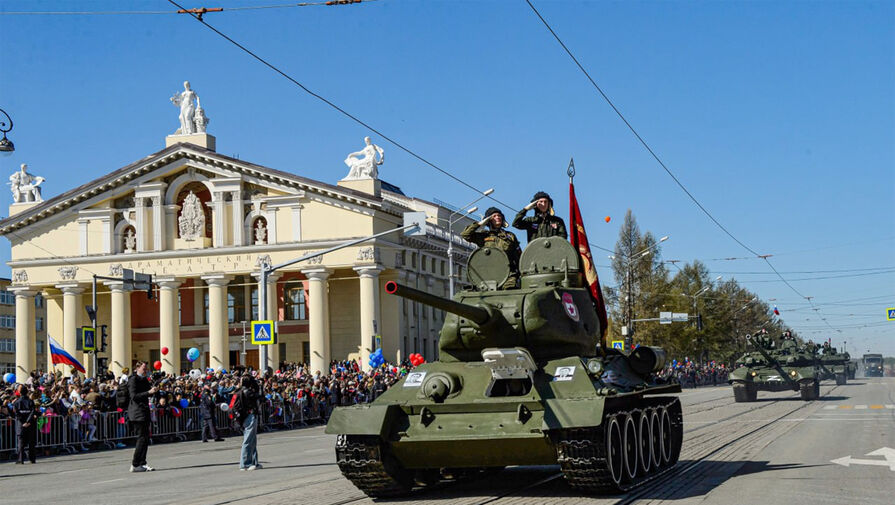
x=157 y=365
x=608 y=219
x=164 y=351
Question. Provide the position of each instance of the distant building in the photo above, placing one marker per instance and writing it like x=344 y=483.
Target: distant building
x=201 y=223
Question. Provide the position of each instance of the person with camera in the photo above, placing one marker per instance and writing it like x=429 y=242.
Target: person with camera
x=139 y=390
x=246 y=413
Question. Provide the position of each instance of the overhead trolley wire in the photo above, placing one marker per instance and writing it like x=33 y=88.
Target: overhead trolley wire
x=656 y=157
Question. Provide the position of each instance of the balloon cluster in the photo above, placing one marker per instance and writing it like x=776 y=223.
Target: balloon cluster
x=417 y=359
x=376 y=358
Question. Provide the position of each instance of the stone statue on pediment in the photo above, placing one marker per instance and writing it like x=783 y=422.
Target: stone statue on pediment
x=363 y=164
x=24 y=186
x=185 y=100
x=192 y=218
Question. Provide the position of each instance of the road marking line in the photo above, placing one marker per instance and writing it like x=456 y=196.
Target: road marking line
x=105 y=481
x=845 y=406
x=876 y=407
x=830 y=407
x=860 y=407
x=890 y=406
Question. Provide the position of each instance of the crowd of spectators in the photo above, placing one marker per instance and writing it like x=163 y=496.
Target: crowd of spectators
x=692 y=374
x=289 y=393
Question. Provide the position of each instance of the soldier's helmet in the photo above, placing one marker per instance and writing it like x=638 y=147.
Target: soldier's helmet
x=494 y=210
x=543 y=194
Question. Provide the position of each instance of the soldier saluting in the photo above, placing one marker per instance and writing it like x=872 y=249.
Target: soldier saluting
x=499 y=238
x=544 y=223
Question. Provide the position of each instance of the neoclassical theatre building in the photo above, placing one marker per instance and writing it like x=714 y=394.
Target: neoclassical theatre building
x=201 y=224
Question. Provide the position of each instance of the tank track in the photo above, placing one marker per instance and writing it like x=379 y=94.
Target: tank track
x=584 y=459
x=365 y=462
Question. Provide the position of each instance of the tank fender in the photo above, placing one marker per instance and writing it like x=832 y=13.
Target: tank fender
x=572 y=413
x=370 y=419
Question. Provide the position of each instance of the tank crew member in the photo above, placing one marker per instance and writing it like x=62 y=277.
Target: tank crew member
x=499 y=238
x=544 y=223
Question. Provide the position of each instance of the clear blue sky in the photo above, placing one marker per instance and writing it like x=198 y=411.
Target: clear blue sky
x=779 y=117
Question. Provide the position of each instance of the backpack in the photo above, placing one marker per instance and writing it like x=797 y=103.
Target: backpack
x=122 y=396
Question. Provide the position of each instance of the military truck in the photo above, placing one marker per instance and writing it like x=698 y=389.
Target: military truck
x=523 y=378
x=873 y=365
x=772 y=369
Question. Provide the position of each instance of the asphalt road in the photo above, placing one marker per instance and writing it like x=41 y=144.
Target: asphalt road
x=778 y=450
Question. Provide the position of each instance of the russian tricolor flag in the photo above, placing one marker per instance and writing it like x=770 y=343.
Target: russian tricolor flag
x=776 y=312
x=60 y=357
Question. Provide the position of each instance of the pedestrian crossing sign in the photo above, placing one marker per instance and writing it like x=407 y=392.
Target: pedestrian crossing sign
x=263 y=333
x=618 y=344
x=890 y=313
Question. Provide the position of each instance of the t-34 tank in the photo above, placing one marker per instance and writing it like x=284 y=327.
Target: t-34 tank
x=770 y=369
x=520 y=381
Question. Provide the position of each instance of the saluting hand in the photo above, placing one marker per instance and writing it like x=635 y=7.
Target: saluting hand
x=531 y=205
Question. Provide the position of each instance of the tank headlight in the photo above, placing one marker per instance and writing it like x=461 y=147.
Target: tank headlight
x=793 y=373
x=595 y=366
x=754 y=374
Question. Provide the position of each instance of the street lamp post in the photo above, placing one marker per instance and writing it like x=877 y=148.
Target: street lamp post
x=450 y=249
x=628 y=312
x=6 y=145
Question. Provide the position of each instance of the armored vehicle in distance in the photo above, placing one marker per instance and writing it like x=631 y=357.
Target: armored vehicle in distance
x=772 y=369
x=873 y=365
x=834 y=365
x=520 y=381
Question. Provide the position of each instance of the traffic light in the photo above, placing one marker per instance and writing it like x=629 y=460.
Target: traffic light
x=103 y=338
x=102 y=365
x=699 y=322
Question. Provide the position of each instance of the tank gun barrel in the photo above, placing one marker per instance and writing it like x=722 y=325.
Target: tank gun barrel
x=475 y=314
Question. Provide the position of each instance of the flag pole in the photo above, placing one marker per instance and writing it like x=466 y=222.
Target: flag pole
x=571 y=170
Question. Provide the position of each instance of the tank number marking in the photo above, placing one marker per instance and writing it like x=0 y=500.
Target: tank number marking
x=564 y=373
x=414 y=379
x=568 y=303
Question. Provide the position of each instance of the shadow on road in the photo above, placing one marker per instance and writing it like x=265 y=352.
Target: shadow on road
x=833 y=398
x=518 y=481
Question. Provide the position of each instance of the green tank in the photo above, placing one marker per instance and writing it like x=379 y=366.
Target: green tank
x=834 y=365
x=521 y=380
x=771 y=369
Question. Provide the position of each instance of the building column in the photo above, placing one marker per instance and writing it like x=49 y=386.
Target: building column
x=26 y=342
x=369 y=310
x=120 y=333
x=318 y=322
x=169 y=324
x=218 y=334
x=238 y=218
x=72 y=311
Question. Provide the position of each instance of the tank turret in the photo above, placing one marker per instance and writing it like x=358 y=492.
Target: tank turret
x=786 y=368
x=551 y=315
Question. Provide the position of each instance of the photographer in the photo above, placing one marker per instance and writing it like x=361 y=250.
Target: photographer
x=139 y=390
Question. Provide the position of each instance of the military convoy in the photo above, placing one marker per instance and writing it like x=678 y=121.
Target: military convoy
x=521 y=380
x=835 y=365
x=773 y=369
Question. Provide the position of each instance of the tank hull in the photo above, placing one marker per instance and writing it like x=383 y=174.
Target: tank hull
x=479 y=425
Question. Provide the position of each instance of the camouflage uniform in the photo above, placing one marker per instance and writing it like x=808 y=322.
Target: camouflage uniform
x=541 y=224
x=501 y=239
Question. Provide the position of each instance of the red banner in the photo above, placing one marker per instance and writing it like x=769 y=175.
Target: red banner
x=578 y=238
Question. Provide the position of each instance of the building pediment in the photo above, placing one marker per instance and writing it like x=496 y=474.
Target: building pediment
x=161 y=170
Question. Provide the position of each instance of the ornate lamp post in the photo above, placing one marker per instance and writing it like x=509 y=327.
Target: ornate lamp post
x=6 y=145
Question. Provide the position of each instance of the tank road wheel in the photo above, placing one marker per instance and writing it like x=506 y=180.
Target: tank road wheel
x=615 y=457
x=367 y=463
x=644 y=442
x=655 y=425
x=744 y=392
x=665 y=436
x=840 y=379
x=631 y=446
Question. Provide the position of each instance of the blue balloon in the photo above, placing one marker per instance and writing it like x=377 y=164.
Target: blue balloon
x=10 y=378
x=184 y=403
x=192 y=354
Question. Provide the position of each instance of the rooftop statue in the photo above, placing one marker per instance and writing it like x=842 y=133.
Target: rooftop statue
x=24 y=186
x=365 y=167
x=188 y=111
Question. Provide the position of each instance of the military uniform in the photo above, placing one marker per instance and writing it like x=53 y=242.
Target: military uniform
x=501 y=239
x=540 y=225
x=25 y=435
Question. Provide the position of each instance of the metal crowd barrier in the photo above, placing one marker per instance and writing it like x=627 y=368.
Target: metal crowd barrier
x=69 y=434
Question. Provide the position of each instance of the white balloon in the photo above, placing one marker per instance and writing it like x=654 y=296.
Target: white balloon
x=195 y=373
